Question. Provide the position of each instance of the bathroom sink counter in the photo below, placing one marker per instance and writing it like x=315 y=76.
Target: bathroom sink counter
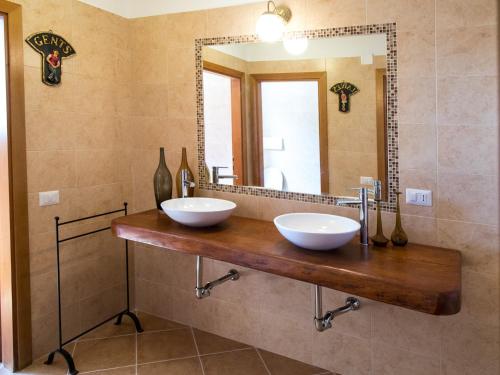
x=418 y=277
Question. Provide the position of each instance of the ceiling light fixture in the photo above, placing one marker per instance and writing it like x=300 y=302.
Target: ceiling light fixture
x=271 y=24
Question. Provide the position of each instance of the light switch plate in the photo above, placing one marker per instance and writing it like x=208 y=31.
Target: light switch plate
x=48 y=198
x=419 y=197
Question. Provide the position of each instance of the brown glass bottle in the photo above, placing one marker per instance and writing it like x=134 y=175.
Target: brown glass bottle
x=184 y=165
x=379 y=239
x=398 y=236
x=162 y=181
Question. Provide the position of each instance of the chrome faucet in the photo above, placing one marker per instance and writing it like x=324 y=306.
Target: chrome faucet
x=186 y=183
x=363 y=207
x=216 y=176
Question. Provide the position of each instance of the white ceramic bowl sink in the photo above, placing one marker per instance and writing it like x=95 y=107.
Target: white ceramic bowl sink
x=316 y=231
x=198 y=212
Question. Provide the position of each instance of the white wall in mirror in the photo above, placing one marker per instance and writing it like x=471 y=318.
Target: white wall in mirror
x=347 y=46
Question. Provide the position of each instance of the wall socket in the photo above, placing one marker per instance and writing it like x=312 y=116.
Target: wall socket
x=419 y=197
x=48 y=198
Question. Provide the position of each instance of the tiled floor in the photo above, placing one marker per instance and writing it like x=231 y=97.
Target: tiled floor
x=168 y=348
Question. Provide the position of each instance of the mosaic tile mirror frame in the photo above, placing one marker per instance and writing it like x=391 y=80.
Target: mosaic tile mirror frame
x=392 y=168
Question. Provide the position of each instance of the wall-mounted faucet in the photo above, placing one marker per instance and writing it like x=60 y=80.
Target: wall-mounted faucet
x=363 y=207
x=216 y=176
x=186 y=183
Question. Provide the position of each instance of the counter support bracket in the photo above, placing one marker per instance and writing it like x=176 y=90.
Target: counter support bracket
x=203 y=291
x=324 y=322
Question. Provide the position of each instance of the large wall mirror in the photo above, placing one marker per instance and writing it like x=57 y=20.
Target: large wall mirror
x=307 y=118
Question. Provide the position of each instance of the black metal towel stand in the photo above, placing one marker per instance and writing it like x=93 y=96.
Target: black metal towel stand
x=66 y=355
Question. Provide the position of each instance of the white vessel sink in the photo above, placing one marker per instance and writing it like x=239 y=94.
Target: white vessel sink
x=198 y=212
x=316 y=231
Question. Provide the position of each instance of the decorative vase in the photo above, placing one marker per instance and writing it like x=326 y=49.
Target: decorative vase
x=162 y=181
x=379 y=239
x=398 y=236
x=184 y=166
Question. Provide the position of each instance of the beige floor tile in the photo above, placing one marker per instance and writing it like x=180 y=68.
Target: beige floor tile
x=240 y=362
x=58 y=367
x=107 y=353
x=209 y=343
x=110 y=329
x=280 y=365
x=189 y=366
x=154 y=323
x=163 y=345
x=130 y=370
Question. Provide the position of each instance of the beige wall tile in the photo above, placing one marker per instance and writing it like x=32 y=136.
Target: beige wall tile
x=393 y=360
x=462 y=197
x=417 y=100
x=416 y=54
x=408 y=14
x=459 y=13
x=468 y=149
x=345 y=354
x=454 y=101
x=478 y=244
x=407 y=330
x=50 y=170
x=470 y=348
x=324 y=13
x=467 y=51
x=417 y=147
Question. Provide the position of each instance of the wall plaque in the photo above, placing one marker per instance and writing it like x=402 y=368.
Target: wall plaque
x=344 y=90
x=53 y=48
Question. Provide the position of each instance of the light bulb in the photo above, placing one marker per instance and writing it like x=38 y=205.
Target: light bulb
x=295 y=46
x=270 y=27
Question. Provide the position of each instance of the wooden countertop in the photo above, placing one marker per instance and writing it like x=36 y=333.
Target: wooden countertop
x=422 y=278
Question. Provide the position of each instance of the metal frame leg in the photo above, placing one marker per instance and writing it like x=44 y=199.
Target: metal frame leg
x=135 y=319
x=67 y=357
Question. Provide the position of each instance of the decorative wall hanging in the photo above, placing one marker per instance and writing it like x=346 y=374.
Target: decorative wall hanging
x=344 y=90
x=53 y=48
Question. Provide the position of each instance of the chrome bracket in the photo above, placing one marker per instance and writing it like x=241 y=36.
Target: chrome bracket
x=324 y=322
x=203 y=291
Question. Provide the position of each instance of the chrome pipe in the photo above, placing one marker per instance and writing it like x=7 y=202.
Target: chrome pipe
x=324 y=322
x=203 y=291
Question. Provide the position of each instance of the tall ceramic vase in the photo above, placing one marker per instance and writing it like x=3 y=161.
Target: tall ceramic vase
x=398 y=237
x=162 y=181
x=184 y=166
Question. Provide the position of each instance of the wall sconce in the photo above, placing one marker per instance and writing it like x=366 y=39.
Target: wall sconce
x=271 y=24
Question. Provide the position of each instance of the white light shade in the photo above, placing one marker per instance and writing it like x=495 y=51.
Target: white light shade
x=270 y=27
x=295 y=46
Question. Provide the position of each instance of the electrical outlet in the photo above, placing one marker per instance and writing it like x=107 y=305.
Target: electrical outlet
x=419 y=197
x=48 y=198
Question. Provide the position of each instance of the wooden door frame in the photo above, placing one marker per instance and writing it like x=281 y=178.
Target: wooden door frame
x=320 y=77
x=381 y=121
x=15 y=275
x=237 y=116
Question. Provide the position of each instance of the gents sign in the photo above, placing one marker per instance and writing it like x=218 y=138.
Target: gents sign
x=344 y=90
x=53 y=48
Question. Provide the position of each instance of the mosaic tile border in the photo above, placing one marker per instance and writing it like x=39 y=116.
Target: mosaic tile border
x=392 y=114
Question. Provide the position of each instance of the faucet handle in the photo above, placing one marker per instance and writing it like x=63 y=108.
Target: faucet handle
x=370 y=191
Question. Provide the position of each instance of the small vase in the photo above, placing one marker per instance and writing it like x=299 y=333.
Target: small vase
x=379 y=239
x=162 y=181
x=398 y=236
x=184 y=166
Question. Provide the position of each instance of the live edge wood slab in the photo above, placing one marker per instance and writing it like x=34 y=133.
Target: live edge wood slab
x=421 y=278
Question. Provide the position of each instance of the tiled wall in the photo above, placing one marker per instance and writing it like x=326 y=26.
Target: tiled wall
x=447 y=56
x=77 y=143
x=131 y=89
